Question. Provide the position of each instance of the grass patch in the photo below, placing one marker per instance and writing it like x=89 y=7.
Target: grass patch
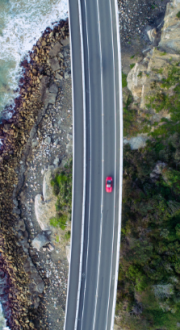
x=163 y=54
x=57 y=239
x=132 y=65
x=59 y=221
x=67 y=235
x=124 y=80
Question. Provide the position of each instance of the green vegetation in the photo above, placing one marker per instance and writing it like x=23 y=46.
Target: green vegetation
x=163 y=53
x=59 y=221
x=62 y=187
x=67 y=235
x=129 y=117
x=124 y=80
x=178 y=15
x=132 y=65
x=57 y=238
x=149 y=272
x=166 y=98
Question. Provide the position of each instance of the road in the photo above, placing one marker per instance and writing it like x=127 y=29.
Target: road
x=95 y=247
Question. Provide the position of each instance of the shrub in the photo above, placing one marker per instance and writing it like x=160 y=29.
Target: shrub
x=59 y=221
x=178 y=15
x=67 y=235
x=124 y=80
x=132 y=65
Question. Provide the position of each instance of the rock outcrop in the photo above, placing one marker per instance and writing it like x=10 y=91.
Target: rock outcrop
x=142 y=76
x=45 y=203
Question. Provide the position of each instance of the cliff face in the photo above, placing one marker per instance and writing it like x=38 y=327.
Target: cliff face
x=155 y=65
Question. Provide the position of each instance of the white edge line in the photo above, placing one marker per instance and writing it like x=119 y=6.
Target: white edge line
x=121 y=167
x=90 y=125
x=84 y=165
x=99 y=253
x=115 y=158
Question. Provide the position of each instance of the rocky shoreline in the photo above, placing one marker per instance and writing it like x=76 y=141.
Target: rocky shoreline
x=33 y=283
x=24 y=281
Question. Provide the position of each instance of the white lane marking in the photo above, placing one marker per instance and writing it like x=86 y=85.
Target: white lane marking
x=102 y=178
x=72 y=214
x=84 y=165
x=121 y=166
x=115 y=171
x=90 y=174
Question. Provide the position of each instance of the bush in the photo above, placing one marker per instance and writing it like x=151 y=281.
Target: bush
x=62 y=187
x=124 y=80
x=67 y=235
x=150 y=244
x=59 y=221
x=178 y=15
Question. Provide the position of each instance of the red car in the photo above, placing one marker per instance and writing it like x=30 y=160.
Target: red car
x=109 y=184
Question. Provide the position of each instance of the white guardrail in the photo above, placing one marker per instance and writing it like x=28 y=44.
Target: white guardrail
x=121 y=165
x=84 y=164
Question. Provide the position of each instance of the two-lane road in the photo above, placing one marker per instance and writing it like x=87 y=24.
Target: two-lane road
x=91 y=299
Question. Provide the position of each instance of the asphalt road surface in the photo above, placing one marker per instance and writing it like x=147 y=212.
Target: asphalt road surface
x=96 y=69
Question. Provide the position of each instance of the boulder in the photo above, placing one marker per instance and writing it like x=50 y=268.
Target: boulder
x=136 y=142
x=53 y=88
x=56 y=161
x=54 y=63
x=45 y=203
x=170 y=37
x=55 y=50
x=41 y=240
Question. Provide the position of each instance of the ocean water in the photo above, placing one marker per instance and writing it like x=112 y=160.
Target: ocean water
x=2 y=321
x=21 y=25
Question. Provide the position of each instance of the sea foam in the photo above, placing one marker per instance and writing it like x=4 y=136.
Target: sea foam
x=22 y=22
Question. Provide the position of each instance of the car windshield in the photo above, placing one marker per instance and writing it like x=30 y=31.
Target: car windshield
x=108 y=181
